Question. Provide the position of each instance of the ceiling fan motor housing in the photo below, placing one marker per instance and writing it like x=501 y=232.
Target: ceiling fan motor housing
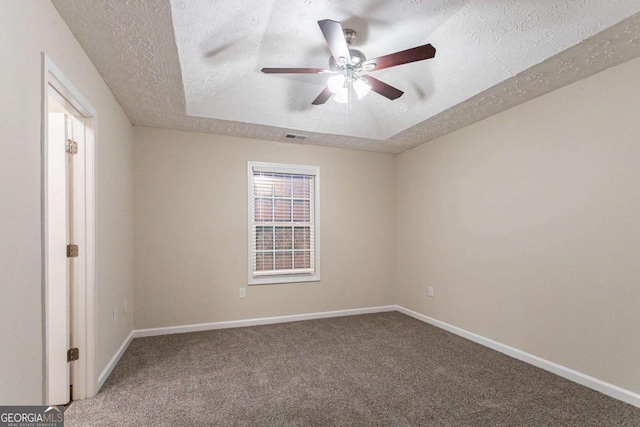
x=357 y=59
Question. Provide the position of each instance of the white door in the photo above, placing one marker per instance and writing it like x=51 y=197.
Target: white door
x=57 y=266
x=64 y=272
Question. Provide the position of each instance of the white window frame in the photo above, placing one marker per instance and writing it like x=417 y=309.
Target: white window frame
x=285 y=169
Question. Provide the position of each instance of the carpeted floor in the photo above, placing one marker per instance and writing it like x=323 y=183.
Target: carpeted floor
x=383 y=369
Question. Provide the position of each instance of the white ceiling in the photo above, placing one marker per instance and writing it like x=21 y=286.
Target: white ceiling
x=195 y=64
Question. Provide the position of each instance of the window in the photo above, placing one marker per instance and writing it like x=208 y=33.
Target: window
x=283 y=223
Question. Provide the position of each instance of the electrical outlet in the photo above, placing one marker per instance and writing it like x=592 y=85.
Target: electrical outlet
x=431 y=293
x=125 y=307
x=115 y=316
x=243 y=292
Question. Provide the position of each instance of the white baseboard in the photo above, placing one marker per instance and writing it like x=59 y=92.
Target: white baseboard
x=114 y=361
x=258 y=321
x=139 y=333
x=575 y=376
x=603 y=387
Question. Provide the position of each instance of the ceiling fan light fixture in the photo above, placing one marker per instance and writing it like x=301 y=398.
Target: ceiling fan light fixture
x=336 y=83
x=342 y=97
x=341 y=86
x=348 y=64
x=361 y=88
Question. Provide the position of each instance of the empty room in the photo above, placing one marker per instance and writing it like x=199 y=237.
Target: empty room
x=320 y=213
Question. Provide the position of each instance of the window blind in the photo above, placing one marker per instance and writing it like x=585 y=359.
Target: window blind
x=283 y=222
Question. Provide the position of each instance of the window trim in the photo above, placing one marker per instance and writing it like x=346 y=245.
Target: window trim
x=266 y=279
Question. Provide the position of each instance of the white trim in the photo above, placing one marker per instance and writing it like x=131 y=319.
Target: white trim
x=276 y=280
x=91 y=174
x=85 y=375
x=284 y=272
x=139 y=333
x=575 y=376
x=114 y=360
x=283 y=278
x=62 y=84
x=283 y=168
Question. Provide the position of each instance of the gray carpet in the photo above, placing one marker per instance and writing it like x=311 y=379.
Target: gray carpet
x=373 y=370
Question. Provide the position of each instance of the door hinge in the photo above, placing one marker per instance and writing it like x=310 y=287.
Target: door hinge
x=73 y=354
x=71 y=147
x=72 y=251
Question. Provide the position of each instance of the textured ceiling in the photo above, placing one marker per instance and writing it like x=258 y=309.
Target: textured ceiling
x=204 y=76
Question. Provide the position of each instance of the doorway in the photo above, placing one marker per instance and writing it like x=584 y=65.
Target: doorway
x=68 y=240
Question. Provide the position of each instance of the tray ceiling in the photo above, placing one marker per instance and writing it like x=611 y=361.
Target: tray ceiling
x=195 y=64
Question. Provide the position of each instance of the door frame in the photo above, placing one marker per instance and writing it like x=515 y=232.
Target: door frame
x=84 y=305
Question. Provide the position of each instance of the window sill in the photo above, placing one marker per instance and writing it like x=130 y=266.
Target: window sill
x=274 y=280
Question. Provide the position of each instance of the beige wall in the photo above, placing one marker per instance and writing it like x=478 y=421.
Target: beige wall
x=191 y=229
x=528 y=226
x=27 y=28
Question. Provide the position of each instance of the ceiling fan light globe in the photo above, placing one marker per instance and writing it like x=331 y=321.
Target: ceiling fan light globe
x=336 y=83
x=342 y=96
x=361 y=88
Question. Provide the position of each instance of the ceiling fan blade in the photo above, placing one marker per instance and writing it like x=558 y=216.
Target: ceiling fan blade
x=294 y=70
x=323 y=97
x=382 y=88
x=403 y=57
x=332 y=31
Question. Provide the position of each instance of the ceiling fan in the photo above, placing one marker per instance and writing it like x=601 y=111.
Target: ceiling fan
x=348 y=65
